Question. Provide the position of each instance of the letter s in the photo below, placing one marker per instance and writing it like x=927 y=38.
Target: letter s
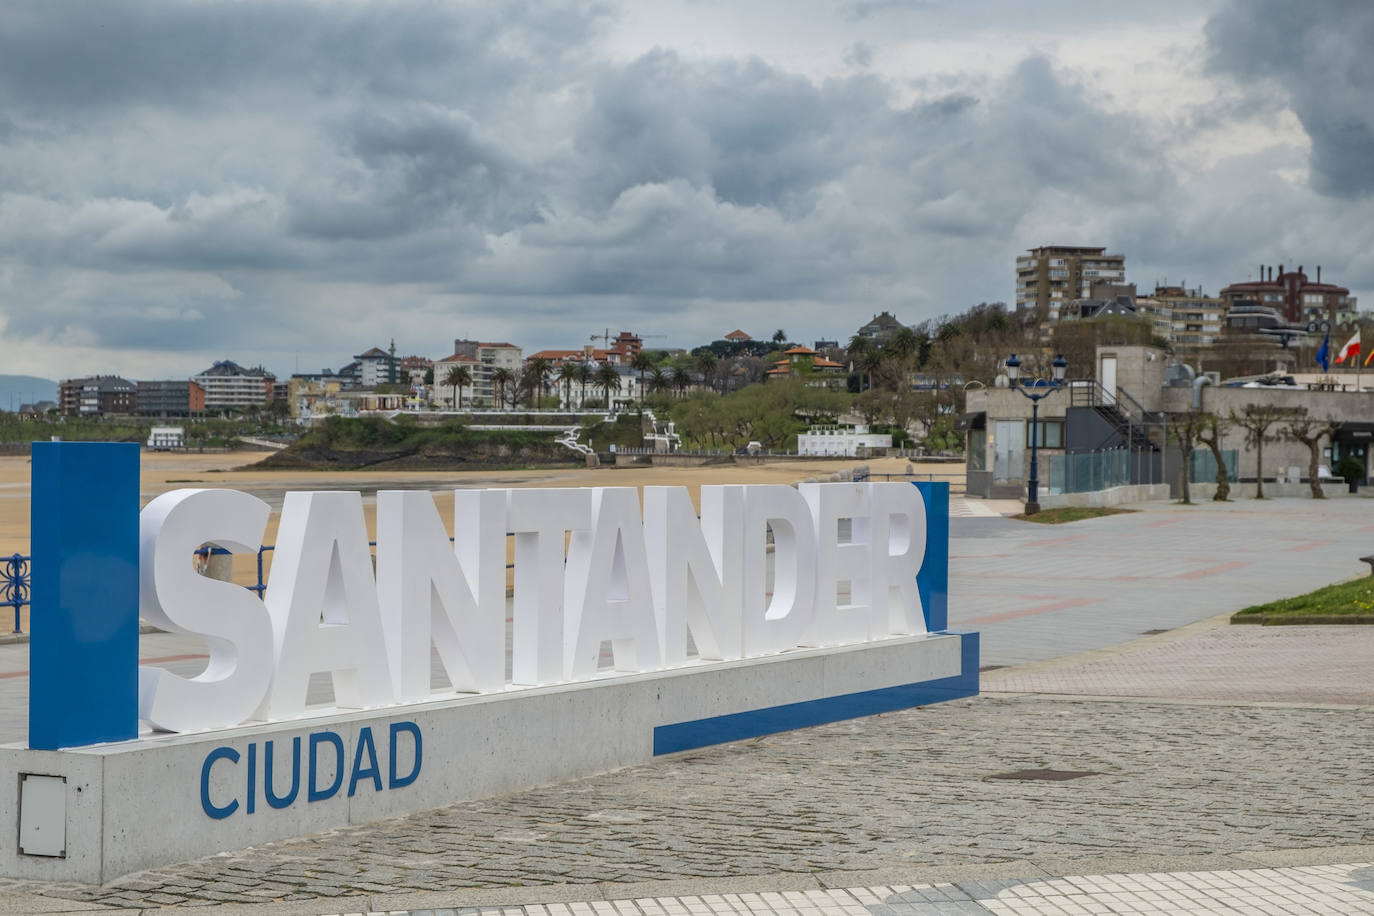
x=233 y=623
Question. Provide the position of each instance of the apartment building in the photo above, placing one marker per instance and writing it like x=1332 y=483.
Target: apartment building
x=97 y=396
x=1050 y=277
x=1297 y=299
x=171 y=398
x=377 y=367
x=444 y=395
x=489 y=357
x=1191 y=319
x=227 y=384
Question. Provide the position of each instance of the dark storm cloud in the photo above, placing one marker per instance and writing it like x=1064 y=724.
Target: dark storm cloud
x=224 y=175
x=1317 y=57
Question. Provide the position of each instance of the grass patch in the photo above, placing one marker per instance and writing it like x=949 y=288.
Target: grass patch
x=1070 y=514
x=1344 y=602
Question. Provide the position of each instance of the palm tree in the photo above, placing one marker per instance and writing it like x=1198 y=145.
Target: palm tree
x=902 y=346
x=706 y=365
x=500 y=378
x=567 y=374
x=537 y=373
x=642 y=364
x=584 y=375
x=682 y=377
x=607 y=379
x=779 y=336
x=659 y=381
x=458 y=377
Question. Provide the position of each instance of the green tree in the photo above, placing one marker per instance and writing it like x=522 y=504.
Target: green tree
x=608 y=380
x=501 y=379
x=537 y=371
x=567 y=374
x=458 y=377
x=641 y=364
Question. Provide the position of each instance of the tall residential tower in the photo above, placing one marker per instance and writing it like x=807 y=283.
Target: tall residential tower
x=1051 y=276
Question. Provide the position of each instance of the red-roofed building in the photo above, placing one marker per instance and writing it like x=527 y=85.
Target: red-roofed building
x=1298 y=299
x=737 y=335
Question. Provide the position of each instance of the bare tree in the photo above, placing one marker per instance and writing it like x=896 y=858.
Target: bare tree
x=1184 y=428
x=1310 y=432
x=1211 y=435
x=1257 y=420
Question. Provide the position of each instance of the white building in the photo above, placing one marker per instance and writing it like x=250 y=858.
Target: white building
x=227 y=384
x=489 y=358
x=840 y=440
x=161 y=438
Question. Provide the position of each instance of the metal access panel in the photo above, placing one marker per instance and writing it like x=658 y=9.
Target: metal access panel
x=42 y=815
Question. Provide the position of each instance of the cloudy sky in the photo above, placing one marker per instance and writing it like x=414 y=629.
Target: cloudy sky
x=290 y=183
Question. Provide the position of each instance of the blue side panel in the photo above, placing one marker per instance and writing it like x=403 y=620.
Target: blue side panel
x=932 y=582
x=684 y=736
x=83 y=653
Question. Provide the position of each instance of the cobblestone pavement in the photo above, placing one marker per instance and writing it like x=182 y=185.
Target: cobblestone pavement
x=1325 y=889
x=911 y=790
x=1214 y=661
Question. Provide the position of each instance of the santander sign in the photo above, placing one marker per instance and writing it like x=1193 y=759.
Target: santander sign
x=590 y=565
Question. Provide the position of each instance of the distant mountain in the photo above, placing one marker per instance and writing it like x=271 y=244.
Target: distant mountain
x=16 y=390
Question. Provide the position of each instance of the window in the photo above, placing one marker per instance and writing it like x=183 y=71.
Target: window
x=978 y=450
x=1051 y=434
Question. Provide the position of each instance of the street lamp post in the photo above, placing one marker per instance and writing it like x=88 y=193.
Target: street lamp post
x=1013 y=372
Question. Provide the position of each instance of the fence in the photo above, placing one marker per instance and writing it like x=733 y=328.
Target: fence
x=1202 y=465
x=1084 y=472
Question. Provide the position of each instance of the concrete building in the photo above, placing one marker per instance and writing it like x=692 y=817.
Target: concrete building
x=442 y=394
x=1184 y=317
x=489 y=358
x=313 y=395
x=1049 y=277
x=851 y=441
x=1298 y=300
x=377 y=367
x=97 y=396
x=227 y=384
x=171 y=398
x=1121 y=409
x=165 y=438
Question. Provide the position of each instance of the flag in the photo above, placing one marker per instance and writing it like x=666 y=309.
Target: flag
x=1370 y=357
x=1351 y=348
x=1324 y=354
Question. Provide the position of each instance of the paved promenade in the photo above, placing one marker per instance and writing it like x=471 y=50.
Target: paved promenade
x=1208 y=768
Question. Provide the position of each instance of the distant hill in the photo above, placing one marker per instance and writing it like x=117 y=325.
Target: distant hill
x=25 y=389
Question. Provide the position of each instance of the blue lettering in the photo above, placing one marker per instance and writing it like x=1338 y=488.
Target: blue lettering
x=251 y=806
x=216 y=811
x=365 y=744
x=289 y=797
x=316 y=794
x=398 y=782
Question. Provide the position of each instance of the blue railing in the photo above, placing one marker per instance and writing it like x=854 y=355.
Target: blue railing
x=14 y=585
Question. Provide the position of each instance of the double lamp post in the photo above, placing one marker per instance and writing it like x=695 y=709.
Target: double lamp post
x=1013 y=373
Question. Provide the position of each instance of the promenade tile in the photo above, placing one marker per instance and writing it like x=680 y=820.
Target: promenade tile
x=1230 y=765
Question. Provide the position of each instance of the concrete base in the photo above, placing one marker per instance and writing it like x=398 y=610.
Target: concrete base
x=1115 y=496
x=168 y=798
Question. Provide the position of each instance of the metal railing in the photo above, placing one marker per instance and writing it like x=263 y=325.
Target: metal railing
x=1085 y=472
x=14 y=585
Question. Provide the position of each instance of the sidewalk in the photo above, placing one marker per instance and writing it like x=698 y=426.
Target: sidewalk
x=1204 y=769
